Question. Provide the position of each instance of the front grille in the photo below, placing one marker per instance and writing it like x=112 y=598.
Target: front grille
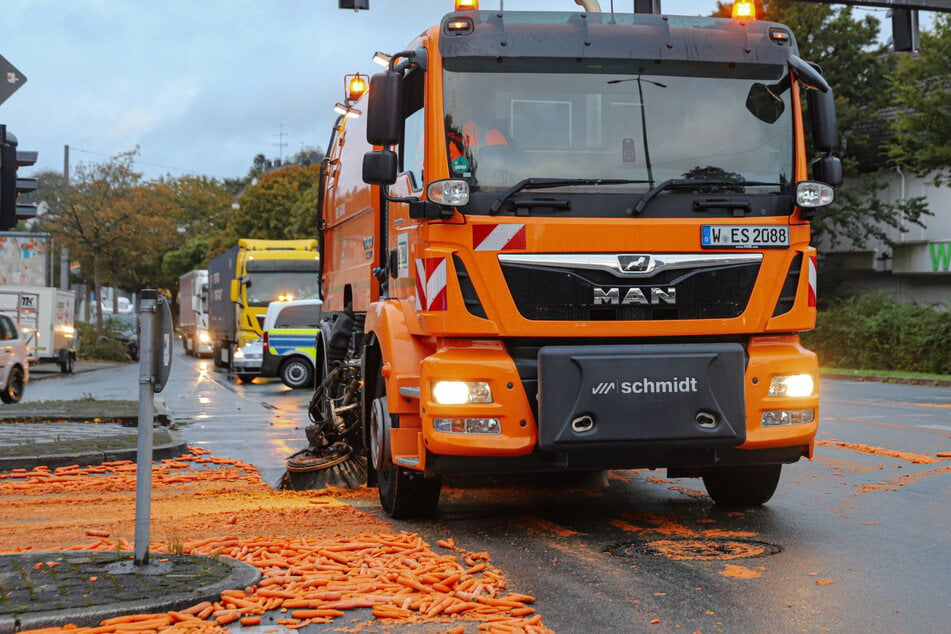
x=565 y=293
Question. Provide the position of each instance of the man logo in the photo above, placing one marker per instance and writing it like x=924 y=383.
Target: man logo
x=605 y=388
x=634 y=263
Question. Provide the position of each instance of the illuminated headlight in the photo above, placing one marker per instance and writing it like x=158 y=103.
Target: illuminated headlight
x=204 y=337
x=239 y=354
x=468 y=425
x=813 y=194
x=460 y=392
x=775 y=418
x=452 y=193
x=795 y=385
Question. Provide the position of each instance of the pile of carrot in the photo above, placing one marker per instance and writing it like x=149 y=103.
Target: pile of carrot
x=399 y=577
x=120 y=475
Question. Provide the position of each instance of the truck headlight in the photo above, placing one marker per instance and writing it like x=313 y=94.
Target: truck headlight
x=204 y=337
x=793 y=385
x=460 y=392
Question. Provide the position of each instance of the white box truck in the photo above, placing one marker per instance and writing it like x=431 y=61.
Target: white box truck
x=193 y=313
x=46 y=317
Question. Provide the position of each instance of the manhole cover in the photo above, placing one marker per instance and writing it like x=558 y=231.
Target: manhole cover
x=694 y=549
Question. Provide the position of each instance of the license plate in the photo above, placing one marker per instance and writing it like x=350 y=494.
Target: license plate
x=744 y=237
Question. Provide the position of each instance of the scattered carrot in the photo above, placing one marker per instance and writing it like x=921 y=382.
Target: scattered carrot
x=97 y=533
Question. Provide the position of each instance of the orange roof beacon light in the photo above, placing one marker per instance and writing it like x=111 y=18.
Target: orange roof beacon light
x=744 y=10
x=356 y=86
x=467 y=5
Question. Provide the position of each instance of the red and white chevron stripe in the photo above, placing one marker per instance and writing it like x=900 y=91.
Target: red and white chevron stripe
x=431 y=283
x=503 y=237
x=813 y=277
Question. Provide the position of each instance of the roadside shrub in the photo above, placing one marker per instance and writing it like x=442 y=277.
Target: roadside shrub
x=875 y=332
x=111 y=346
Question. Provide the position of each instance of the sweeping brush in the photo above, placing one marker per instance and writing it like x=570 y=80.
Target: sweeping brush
x=334 y=465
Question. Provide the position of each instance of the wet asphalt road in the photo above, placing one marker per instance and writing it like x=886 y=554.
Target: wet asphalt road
x=858 y=539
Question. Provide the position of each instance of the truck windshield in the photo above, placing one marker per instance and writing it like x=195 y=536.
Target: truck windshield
x=267 y=286
x=659 y=121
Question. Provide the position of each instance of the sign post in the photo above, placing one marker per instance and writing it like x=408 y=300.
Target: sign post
x=155 y=362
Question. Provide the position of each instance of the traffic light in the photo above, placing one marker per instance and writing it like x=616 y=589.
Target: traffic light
x=11 y=187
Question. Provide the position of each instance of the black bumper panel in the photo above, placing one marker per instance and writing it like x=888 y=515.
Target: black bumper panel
x=663 y=396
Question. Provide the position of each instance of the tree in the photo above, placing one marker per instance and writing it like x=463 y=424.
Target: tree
x=922 y=89
x=106 y=220
x=279 y=205
x=858 y=68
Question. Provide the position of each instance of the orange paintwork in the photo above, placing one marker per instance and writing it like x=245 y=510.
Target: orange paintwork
x=421 y=345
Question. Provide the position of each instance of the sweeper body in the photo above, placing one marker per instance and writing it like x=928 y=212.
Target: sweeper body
x=573 y=241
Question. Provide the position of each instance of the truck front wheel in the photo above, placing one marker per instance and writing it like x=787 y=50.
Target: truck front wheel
x=748 y=485
x=404 y=493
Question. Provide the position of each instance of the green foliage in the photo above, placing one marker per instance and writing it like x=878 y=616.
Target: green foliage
x=110 y=346
x=922 y=91
x=280 y=205
x=878 y=333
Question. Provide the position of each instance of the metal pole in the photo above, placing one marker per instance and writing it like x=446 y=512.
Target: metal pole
x=143 y=476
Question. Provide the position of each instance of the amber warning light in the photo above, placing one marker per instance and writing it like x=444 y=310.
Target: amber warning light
x=356 y=86
x=467 y=5
x=743 y=10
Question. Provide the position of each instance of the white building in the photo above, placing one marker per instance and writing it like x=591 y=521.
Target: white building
x=917 y=267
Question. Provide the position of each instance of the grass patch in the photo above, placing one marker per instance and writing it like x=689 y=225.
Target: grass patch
x=79 y=446
x=86 y=407
x=923 y=376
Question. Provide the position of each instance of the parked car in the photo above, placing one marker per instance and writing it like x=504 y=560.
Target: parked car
x=14 y=362
x=247 y=360
x=127 y=332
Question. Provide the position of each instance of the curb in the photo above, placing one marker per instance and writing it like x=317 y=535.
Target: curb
x=241 y=576
x=172 y=449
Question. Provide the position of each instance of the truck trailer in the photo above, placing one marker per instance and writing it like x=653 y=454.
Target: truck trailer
x=46 y=317
x=573 y=241
x=243 y=280
x=193 y=313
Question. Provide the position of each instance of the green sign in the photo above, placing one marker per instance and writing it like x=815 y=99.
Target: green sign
x=940 y=256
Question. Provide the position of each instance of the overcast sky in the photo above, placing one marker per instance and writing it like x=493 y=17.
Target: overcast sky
x=201 y=86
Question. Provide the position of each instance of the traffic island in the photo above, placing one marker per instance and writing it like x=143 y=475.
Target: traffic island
x=84 y=588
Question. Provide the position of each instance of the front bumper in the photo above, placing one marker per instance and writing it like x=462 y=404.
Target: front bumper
x=600 y=407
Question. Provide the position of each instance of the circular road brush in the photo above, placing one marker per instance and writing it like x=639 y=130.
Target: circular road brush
x=332 y=465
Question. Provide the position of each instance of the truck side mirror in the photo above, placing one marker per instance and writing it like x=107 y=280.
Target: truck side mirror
x=828 y=170
x=822 y=120
x=385 y=108
x=235 y=288
x=380 y=167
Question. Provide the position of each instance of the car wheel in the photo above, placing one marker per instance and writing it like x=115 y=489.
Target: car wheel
x=297 y=373
x=13 y=390
x=750 y=485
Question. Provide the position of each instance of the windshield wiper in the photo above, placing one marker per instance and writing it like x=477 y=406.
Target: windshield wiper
x=543 y=183
x=694 y=183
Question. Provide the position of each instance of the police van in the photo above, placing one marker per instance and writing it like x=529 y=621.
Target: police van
x=290 y=333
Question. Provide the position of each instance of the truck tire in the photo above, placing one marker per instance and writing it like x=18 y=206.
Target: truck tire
x=296 y=373
x=13 y=391
x=404 y=493
x=750 y=485
x=188 y=345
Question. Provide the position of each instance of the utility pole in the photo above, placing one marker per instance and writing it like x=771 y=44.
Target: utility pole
x=63 y=252
x=281 y=144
